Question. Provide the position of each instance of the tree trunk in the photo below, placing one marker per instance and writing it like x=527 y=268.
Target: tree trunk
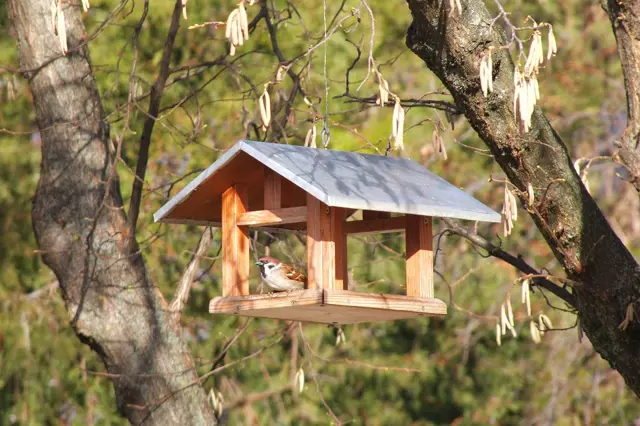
x=625 y=19
x=83 y=235
x=606 y=275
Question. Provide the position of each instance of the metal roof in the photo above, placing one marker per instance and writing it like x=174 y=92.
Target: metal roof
x=353 y=181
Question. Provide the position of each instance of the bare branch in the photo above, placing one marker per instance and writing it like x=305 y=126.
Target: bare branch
x=517 y=262
x=182 y=293
x=154 y=107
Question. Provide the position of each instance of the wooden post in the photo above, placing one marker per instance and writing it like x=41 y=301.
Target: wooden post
x=326 y=246
x=235 y=243
x=419 y=269
x=339 y=237
x=272 y=190
x=318 y=229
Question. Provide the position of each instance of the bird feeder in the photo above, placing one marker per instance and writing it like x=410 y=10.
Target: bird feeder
x=257 y=185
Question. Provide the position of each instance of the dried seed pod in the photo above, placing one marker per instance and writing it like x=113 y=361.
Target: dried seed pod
x=385 y=97
x=535 y=333
x=399 y=142
x=310 y=139
x=383 y=91
x=483 y=77
x=228 y=30
x=535 y=56
x=264 y=102
x=503 y=319
x=394 y=119
x=526 y=295
x=238 y=27
x=244 y=21
x=510 y=312
x=443 y=149
x=546 y=321
x=552 y=48
x=233 y=31
x=531 y=194
x=435 y=140
x=536 y=88
x=498 y=335
x=299 y=380
x=514 y=205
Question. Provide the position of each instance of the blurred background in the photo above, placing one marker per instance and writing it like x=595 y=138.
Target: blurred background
x=419 y=372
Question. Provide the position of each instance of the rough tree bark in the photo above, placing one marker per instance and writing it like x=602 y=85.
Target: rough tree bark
x=606 y=275
x=84 y=237
x=625 y=20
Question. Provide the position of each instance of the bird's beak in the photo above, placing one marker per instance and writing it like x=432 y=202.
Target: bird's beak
x=259 y=263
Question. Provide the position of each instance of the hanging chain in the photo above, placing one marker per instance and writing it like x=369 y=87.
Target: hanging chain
x=326 y=134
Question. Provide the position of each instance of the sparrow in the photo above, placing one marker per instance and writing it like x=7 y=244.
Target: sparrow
x=280 y=276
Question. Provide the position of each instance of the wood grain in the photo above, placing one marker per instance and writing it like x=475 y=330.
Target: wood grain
x=372 y=214
x=419 y=270
x=328 y=306
x=339 y=237
x=235 y=243
x=314 y=244
x=272 y=189
x=320 y=248
x=375 y=226
x=283 y=216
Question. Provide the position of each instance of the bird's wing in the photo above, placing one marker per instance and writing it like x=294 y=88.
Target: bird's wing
x=294 y=275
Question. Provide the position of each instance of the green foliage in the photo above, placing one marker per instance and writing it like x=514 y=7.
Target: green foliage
x=420 y=372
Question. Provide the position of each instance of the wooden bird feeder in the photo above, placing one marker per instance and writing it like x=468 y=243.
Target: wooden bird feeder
x=257 y=185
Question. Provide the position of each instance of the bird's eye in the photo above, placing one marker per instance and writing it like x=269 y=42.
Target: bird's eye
x=270 y=265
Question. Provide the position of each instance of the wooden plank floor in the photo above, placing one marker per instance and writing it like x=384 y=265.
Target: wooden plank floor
x=328 y=306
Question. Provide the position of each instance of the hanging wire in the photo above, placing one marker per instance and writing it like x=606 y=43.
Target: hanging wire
x=326 y=134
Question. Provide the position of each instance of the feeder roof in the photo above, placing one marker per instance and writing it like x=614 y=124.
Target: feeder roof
x=340 y=179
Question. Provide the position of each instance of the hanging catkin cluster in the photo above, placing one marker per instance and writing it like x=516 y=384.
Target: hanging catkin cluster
x=383 y=90
x=382 y=99
x=237 y=31
x=525 y=82
x=264 y=103
x=310 y=139
x=438 y=143
x=397 y=124
x=509 y=211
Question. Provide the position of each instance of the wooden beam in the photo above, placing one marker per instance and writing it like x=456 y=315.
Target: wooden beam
x=273 y=217
x=272 y=189
x=371 y=214
x=419 y=269
x=235 y=243
x=374 y=226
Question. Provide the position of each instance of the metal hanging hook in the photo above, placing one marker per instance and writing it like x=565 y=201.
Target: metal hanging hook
x=326 y=134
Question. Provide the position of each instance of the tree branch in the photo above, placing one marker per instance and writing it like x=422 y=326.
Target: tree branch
x=517 y=262
x=625 y=20
x=182 y=293
x=154 y=106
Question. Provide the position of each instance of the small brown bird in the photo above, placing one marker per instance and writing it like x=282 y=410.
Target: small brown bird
x=280 y=276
